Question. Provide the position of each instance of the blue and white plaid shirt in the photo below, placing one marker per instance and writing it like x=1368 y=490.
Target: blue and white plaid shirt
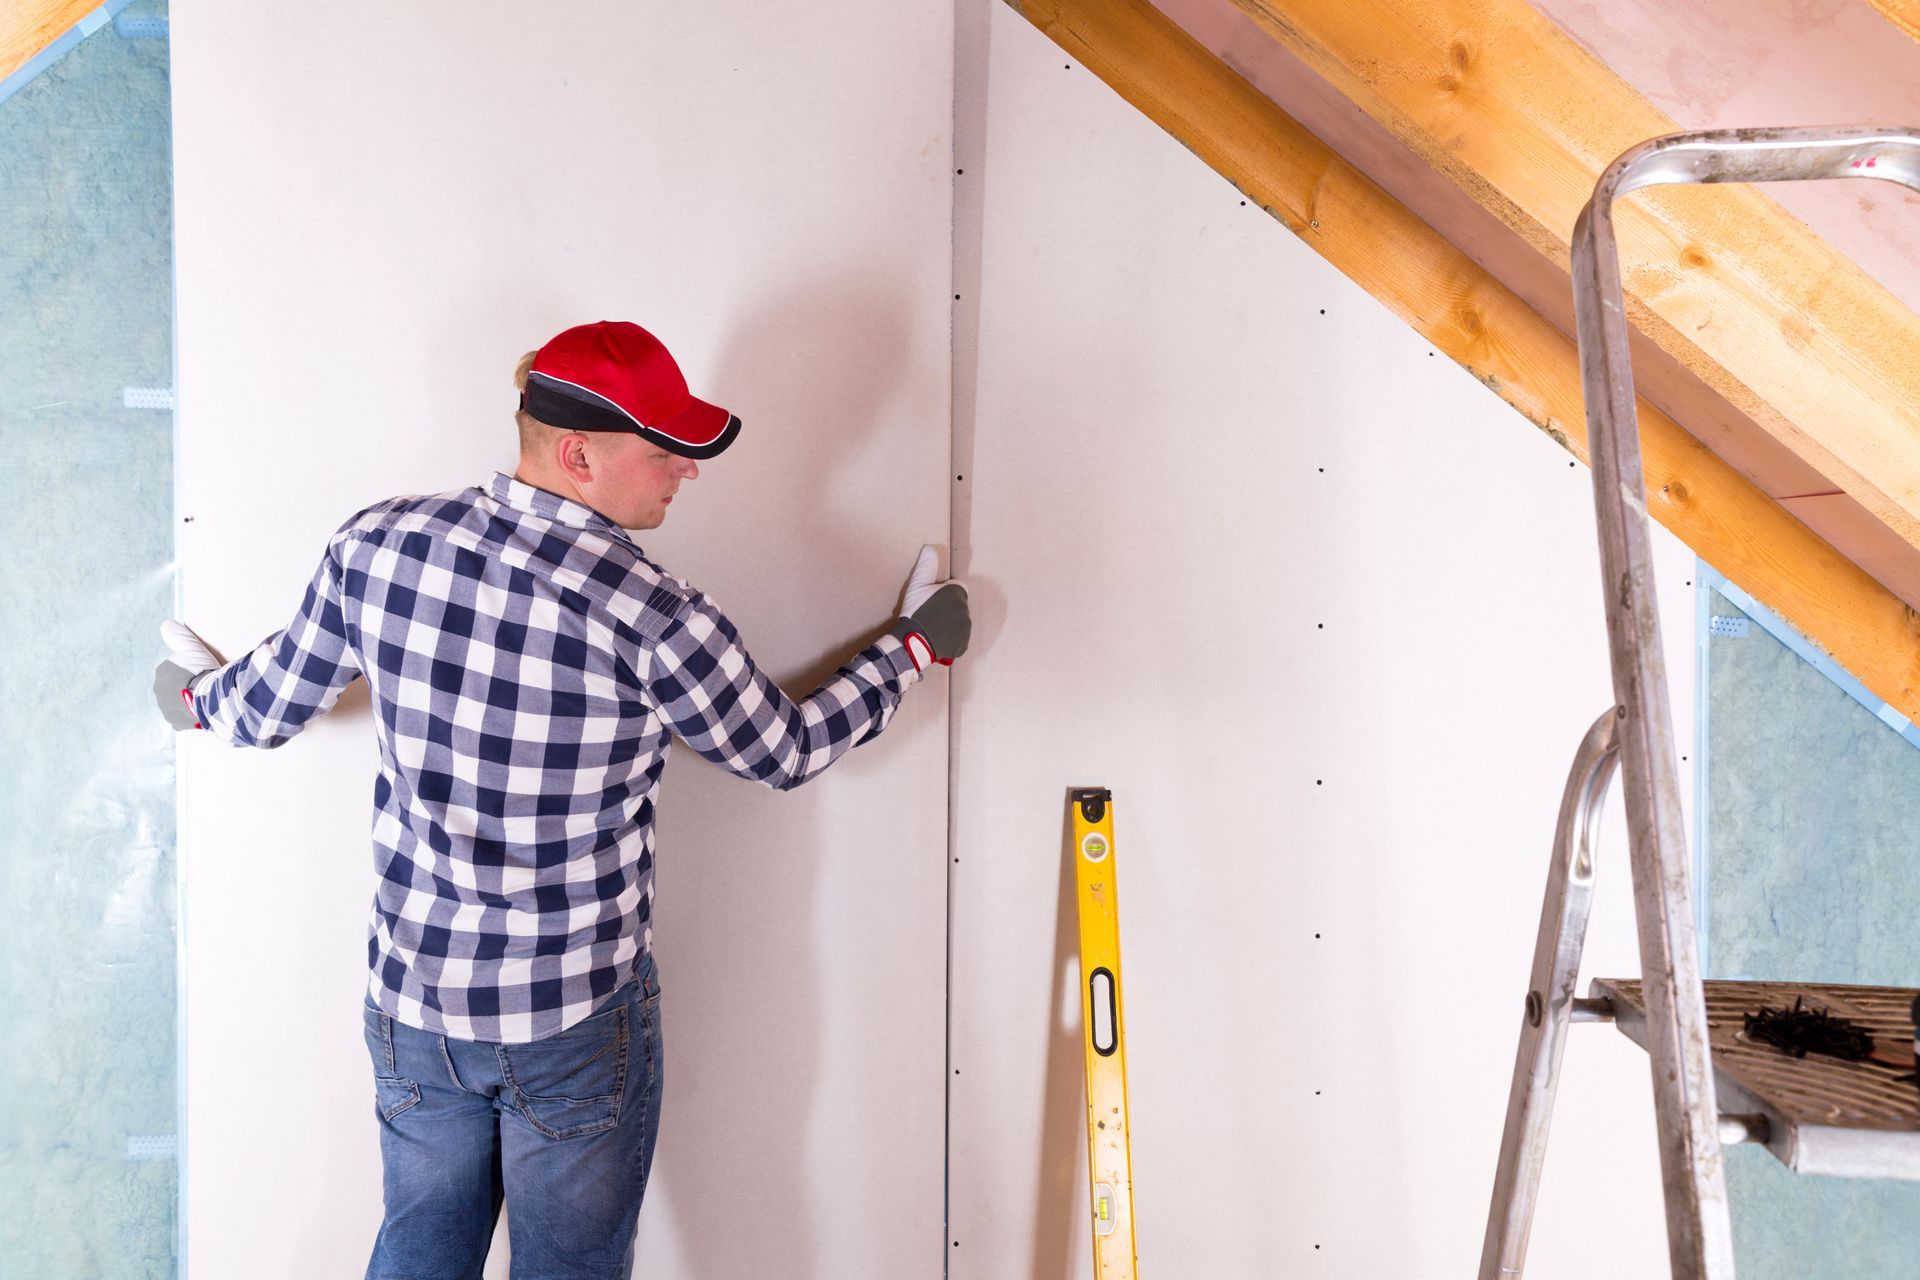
x=529 y=668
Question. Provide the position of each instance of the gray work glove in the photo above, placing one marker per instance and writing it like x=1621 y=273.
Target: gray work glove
x=188 y=659
x=934 y=622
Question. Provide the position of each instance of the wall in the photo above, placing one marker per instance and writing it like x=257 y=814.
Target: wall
x=1812 y=803
x=379 y=209
x=1325 y=614
x=1319 y=607
x=87 y=1047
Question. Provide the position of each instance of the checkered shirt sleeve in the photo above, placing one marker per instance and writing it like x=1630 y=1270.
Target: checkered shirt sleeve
x=268 y=696
x=528 y=670
x=726 y=709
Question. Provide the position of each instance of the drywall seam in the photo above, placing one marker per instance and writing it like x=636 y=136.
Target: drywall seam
x=967 y=176
x=184 y=1161
x=1702 y=651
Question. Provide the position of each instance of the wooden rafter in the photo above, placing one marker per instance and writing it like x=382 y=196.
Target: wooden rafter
x=28 y=26
x=1904 y=14
x=1505 y=107
x=1475 y=319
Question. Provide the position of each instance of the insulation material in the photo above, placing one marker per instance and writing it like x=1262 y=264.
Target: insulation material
x=87 y=942
x=1812 y=801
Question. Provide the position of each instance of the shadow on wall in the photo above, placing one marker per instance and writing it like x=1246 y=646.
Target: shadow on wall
x=785 y=536
x=813 y=409
x=813 y=373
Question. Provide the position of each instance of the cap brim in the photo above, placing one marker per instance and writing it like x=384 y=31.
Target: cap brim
x=699 y=431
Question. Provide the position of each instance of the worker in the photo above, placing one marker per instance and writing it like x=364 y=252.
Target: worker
x=529 y=667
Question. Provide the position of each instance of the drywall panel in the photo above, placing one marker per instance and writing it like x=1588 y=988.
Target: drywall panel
x=1327 y=618
x=381 y=207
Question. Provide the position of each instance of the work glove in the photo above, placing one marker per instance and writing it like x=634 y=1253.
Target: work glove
x=188 y=659
x=934 y=622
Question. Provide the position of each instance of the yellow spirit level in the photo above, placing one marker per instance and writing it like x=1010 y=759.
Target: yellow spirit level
x=1109 y=1159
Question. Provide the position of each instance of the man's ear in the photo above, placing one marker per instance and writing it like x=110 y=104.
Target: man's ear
x=572 y=456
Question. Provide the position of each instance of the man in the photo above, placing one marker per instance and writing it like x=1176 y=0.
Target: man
x=529 y=667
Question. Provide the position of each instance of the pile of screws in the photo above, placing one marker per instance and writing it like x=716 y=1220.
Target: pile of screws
x=1801 y=1031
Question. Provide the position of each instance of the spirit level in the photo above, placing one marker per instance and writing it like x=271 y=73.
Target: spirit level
x=1109 y=1158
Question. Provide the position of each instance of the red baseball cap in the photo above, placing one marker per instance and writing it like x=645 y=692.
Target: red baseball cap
x=615 y=376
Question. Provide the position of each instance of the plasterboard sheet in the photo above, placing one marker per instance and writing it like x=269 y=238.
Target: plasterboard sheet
x=380 y=209
x=1326 y=616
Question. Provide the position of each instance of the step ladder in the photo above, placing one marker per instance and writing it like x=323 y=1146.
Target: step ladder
x=1710 y=1084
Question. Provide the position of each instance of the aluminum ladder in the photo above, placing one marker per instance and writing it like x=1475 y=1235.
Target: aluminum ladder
x=1852 y=1119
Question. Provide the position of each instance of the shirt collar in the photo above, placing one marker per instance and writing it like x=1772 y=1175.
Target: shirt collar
x=522 y=496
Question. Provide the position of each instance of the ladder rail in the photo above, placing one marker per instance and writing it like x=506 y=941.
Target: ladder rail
x=1550 y=1002
x=1699 y=1228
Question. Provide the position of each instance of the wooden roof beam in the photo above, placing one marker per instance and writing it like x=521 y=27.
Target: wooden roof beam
x=29 y=26
x=1474 y=318
x=1904 y=14
x=1777 y=352
x=1227 y=30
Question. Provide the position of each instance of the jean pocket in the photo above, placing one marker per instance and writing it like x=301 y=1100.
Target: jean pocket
x=394 y=1095
x=571 y=1084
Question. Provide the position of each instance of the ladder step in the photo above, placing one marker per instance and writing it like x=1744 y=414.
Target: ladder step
x=1823 y=1115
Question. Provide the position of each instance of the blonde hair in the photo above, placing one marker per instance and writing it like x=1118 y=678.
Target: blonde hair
x=534 y=434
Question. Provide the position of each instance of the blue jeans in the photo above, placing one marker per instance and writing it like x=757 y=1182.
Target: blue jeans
x=562 y=1129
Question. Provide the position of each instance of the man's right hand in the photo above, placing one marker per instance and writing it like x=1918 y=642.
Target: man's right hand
x=934 y=621
x=187 y=659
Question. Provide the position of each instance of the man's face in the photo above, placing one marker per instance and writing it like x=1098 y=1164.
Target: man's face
x=633 y=479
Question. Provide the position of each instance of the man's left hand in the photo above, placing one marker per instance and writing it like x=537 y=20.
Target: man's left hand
x=935 y=623
x=188 y=659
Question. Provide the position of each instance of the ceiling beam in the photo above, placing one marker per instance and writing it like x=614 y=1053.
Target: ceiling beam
x=1815 y=366
x=1485 y=326
x=28 y=26
x=1904 y=14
